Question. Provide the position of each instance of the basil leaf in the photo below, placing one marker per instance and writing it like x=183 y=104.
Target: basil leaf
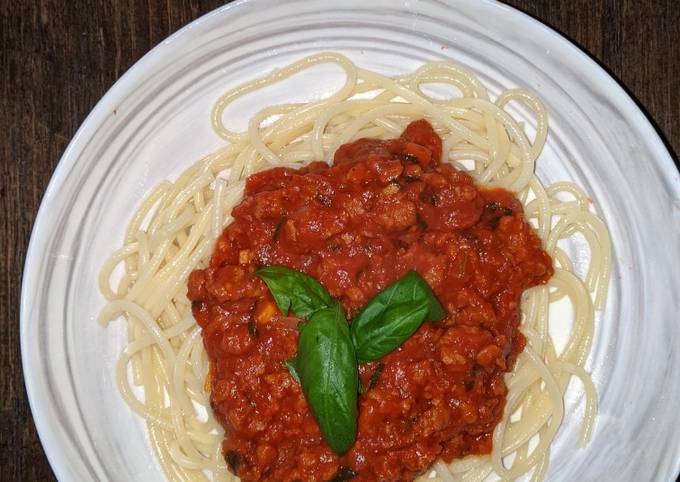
x=295 y=291
x=328 y=372
x=392 y=316
x=394 y=327
x=290 y=363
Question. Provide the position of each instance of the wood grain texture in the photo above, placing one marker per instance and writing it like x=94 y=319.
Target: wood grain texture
x=57 y=58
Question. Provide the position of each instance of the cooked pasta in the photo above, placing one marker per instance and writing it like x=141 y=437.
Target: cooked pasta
x=161 y=372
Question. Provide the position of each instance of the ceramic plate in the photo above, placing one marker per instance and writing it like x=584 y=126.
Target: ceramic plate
x=155 y=121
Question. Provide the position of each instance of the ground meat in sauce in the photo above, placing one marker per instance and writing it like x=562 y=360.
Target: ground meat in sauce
x=383 y=208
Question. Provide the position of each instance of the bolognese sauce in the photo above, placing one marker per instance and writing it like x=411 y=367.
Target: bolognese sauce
x=383 y=208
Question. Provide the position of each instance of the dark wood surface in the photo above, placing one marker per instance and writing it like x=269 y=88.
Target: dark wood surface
x=57 y=58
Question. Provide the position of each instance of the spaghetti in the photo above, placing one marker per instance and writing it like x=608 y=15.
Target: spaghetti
x=162 y=371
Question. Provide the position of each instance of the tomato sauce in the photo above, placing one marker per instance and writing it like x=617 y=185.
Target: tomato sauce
x=383 y=208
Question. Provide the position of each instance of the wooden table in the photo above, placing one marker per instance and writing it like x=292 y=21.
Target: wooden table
x=57 y=58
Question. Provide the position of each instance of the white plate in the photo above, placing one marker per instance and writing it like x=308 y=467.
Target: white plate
x=155 y=121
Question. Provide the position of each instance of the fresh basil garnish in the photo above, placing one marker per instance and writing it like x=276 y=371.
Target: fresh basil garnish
x=329 y=350
x=295 y=291
x=290 y=364
x=393 y=315
x=327 y=367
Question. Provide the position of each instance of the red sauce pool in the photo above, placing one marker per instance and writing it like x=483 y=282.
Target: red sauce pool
x=383 y=208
